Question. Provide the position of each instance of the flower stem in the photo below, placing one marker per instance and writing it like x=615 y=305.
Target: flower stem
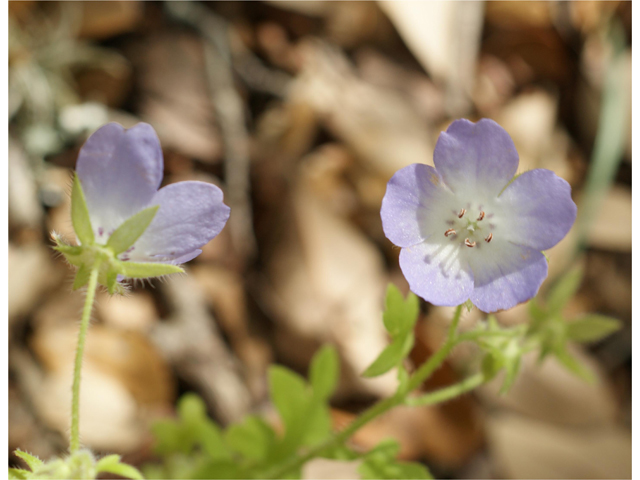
x=387 y=404
x=447 y=393
x=77 y=369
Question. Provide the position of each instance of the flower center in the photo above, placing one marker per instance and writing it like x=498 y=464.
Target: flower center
x=471 y=226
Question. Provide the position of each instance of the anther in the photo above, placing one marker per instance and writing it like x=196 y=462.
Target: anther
x=461 y=213
x=469 y=243
x=481 y=216
x=488 y=238
x=449 y=232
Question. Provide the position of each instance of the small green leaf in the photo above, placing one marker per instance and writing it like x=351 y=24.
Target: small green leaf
x=592 y=328
x=80 y=214
x=381 y=463
x=252 y=438
x=400 y=315
x=127 y=233
x=192 y=408
x=318 y=424
x=31 y=460
x=390 y=356
x=289 y=393
x=82 y=277
x=147 y=269
x=565 y=288
x=324 y=372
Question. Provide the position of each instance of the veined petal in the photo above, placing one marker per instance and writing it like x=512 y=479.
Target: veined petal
x=505 y=275
x=120 y=171
x=537 y=209
x=415 y=205
x=438 y=272
x=191 y=213
x=476 y=159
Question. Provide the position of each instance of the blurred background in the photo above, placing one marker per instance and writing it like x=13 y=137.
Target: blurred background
x=301 y=112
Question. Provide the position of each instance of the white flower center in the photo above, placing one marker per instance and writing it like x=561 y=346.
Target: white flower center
x=469 y=227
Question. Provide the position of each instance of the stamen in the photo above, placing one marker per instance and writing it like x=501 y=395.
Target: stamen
x=488 y=238
x=481 y=216
x=449 y=232
x=469 y=243
x=462 y=212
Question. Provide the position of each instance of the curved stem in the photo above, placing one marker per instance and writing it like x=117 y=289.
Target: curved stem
x=379 y=408
x=77 y=369
x=447 y=393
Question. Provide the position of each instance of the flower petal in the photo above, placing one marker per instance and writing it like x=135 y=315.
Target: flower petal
x=438 y=272
x=505 y=274
x=415 y=205
x=476 y=159
x=190 y=214
x=120 y=171
x=537 y=209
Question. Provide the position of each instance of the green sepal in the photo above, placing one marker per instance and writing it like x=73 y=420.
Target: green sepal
x=80 y=214
x=592 y=328
x=111 y=464
x=31 y=460
x=18 y=474
x=564 y=289
x=147 y=269
x=82 y=277
x=574 y=366
x=112 y=281
x=131 y=229
x=391 y=356
x=324 y=372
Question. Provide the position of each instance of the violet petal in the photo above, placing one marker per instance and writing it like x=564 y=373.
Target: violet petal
x=475 y=159
x=437 y=273
x=506 y=275
x=538 y=209
x=120 y=171
x=191 y=213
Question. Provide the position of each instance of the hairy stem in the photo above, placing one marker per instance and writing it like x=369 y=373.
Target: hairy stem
x=447 y=393
x=424 y=372
x=77 y=369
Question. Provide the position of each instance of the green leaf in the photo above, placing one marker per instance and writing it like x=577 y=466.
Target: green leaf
x=318 y=424
x=193 y=412
x=219 y=470
x=127 y=233
x=31 y=460
x=289 y=394
x=324 y=372
x=391 y=356
x=170 y=437
x=80 y=214
x=111 y=464
x=18 y=474
x=566 y=288
x=381 y=462
x=192 y=408
x=147 y=269
x=400 y=315
x=592 y=328
x=252 y=438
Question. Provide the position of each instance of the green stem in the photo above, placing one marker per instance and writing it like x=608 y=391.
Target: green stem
x=77 y=369
x=447 y=393
x=379 y=408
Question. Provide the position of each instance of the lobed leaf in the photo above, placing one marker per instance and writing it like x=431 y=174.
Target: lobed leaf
x=400 y=314
x=324 y=372
x=391 y=356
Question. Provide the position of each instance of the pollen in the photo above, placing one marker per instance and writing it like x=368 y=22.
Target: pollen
x=481 y=216
x=449 y=232
x=461 y=213
x=469 y=243
x=488 y=238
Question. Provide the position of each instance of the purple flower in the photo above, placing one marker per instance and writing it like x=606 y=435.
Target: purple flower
x=468 y=229
x=120 y=172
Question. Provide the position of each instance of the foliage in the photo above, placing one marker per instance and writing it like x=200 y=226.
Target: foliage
x=81 y=465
